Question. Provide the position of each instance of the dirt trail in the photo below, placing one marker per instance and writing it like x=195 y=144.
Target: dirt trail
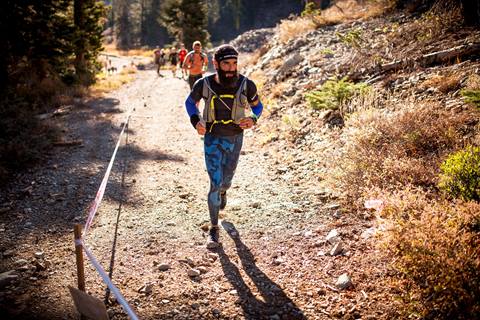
x=273 y=266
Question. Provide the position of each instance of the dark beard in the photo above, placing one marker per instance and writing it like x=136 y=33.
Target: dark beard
x=230 y=81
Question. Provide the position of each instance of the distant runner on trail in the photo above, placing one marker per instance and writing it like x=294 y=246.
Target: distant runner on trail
x=173 y=57
x=228 y=96
x=181 y=58
x=196 y=63
x=158 y=59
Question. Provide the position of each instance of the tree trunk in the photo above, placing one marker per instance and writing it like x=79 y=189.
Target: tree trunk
x=471 y=14
x=79 y=21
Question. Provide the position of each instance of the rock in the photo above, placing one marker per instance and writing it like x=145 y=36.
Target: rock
x=164 y=267
x=333 y=236
x=202 y=269
x=288 y=65
x=4 y=209
x=8 y=253
x=21 y=262
x=251 y=40
x=256 y=205
x=368 y=233
x=343 y=282
x=308 y=234
x=337 y=249
x=195 y=305
x=188 y=261
x=278 y=261
x=193 y=272
x=212 y=256
x=39 y=255
x=39 y=265
x=7 y=277
x=146 y=288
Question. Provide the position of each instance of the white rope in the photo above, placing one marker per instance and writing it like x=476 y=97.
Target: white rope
x=109 y=283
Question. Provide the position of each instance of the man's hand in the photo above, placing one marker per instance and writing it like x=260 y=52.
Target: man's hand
x=246 y=123
x=201 y=128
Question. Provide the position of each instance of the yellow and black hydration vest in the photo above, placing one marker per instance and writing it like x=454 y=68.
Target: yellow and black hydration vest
x=240 y=103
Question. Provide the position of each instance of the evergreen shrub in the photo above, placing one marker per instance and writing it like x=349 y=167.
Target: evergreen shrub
x=460 y=176
x=333 y=93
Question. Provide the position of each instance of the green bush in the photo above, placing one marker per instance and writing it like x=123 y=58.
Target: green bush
x=352 y=38
x=311 y=9
x=471 y=96
x=333 y=93
x=460 y=176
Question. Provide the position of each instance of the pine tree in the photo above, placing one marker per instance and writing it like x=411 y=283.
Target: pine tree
x=124 y=24
x=186 y=20
x=88 y=37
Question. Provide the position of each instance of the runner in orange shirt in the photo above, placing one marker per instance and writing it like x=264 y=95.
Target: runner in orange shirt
x=196 y=63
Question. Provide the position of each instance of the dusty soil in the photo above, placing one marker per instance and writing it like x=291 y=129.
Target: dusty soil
x=275 y=265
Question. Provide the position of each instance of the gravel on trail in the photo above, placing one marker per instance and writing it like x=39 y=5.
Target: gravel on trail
x=274 y=262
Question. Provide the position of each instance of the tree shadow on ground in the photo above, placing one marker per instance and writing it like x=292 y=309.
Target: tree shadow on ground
x=57 y=193
x=271 y=300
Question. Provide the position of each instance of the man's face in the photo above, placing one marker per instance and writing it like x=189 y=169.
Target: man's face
x=227 y=72
x=197 y=48
x=229 y=66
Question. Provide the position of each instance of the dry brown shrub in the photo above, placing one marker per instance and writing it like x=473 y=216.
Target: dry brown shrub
x=444 y=83
x=259 y=77
x=278 y=89
x=434 y=248
x=393 y=149
x=251 y=59
x=289 y=29
x=68 y=94
x=473 y=82
x=350 y=10
x=341 y=11
x=113 y=50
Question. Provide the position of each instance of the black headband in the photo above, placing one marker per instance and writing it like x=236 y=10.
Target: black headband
x=225 y=52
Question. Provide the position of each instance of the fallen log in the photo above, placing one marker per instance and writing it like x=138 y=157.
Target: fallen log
x=68 y=143
x=425 y=60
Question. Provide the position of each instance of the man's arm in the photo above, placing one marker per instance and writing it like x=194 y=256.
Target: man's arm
x=191 y=105
x=186 y=62
x=205 y=64
x=255 y=105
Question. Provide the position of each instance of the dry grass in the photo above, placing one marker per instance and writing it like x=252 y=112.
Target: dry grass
x=341 y=11
x=434 y=248
x=473 y=82
x=259 y=77
x=278 y=89
x=394 y=155
x=112 y=49
x=350 y=10
x=106 y=83
x=289 y=29
x=391 y=150
x=443 y=83
x=67 y=95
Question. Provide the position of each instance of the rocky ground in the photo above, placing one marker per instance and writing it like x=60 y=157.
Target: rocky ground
x=290 y=251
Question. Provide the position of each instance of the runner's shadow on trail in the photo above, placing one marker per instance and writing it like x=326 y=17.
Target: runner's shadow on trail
x=273 y=300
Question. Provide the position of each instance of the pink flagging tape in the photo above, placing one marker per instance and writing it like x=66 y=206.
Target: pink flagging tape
x=98 y=198
x=109 y=283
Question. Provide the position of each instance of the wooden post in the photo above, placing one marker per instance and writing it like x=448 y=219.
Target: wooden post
x=79 y=253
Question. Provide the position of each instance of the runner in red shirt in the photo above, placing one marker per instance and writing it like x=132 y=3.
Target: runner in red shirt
x=181 y=57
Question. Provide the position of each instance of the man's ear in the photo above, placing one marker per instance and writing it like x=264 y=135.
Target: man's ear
x=215 y=64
